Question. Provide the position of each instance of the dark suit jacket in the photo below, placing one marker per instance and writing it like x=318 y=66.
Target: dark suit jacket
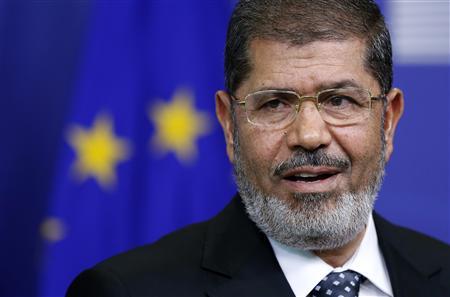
x=230 y=256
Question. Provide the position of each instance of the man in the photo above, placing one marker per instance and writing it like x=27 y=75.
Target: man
x=309 y=118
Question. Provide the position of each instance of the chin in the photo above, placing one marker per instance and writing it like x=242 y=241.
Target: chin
x=309 y=221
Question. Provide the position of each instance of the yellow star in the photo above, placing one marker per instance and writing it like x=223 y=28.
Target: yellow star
x=178 y=125
x=98 y=151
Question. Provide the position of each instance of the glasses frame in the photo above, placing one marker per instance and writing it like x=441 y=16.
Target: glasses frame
x=301 y=99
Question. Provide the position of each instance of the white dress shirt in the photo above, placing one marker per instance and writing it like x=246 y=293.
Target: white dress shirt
x=304 y=270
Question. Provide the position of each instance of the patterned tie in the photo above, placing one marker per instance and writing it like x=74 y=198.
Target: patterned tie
x=338 y=284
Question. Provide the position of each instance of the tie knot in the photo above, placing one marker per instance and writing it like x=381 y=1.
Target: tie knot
x=338 y=284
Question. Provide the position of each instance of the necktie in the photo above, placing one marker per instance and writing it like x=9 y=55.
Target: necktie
x=338 y=284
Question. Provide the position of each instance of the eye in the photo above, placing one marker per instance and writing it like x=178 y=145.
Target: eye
x=274 y=104
x=339 y=102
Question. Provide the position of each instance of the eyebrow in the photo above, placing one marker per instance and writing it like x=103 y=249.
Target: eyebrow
x=339 y=84
x=323 y=86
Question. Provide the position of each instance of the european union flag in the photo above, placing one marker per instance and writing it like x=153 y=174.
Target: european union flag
x=142 y=154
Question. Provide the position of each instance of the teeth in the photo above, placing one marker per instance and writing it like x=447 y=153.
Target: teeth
x=307 y=175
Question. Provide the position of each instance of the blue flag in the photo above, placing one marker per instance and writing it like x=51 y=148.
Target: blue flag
x=142 y=153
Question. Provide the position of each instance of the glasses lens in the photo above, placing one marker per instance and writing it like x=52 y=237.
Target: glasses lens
x=271 y=108
x=344 y=106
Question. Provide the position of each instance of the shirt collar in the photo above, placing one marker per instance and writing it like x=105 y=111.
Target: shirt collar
x=367 y=260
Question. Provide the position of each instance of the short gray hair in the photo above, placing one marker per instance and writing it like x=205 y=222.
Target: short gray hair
x=300 y=22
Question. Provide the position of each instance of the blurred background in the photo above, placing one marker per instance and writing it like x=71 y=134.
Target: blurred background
x=109 y=138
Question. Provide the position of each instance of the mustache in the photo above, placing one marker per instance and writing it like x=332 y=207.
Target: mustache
x=303 y=158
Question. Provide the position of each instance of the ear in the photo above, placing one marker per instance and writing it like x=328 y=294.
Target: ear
x=223 y=113
x=394 y=111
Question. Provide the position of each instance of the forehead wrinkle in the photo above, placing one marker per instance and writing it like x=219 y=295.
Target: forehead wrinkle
x=321 y=57
x=294 y=63
x=318 y=65
x=287 y=76
x=302 y=67
x=308 y=70
x=320 y=60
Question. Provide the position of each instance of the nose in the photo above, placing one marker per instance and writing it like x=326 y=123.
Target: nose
x=308 y=130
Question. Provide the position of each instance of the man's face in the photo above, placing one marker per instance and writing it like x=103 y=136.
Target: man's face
x=348 y=160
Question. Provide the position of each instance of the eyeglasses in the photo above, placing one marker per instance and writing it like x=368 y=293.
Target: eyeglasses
x=279 y=108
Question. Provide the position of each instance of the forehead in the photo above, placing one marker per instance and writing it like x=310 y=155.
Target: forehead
x=309 y=68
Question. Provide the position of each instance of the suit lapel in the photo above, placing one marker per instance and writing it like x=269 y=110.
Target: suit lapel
x=410 y=273
x=241 y=257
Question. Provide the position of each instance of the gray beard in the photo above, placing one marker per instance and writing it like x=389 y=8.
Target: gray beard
x=310 y=221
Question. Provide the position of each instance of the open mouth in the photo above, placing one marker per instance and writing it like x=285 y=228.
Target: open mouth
x=311 y=175
x=308 y=177
x=312 y=179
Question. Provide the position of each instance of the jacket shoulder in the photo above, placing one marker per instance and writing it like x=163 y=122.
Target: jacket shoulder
x=410 y=241
x=176 y=248
x=173 y=259
x=414 y=259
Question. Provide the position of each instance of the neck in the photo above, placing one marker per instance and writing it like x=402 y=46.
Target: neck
x=339 y=256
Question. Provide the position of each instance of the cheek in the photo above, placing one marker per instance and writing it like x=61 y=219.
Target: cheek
x=362 y=144
x=260 y=149
x=356 y=142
